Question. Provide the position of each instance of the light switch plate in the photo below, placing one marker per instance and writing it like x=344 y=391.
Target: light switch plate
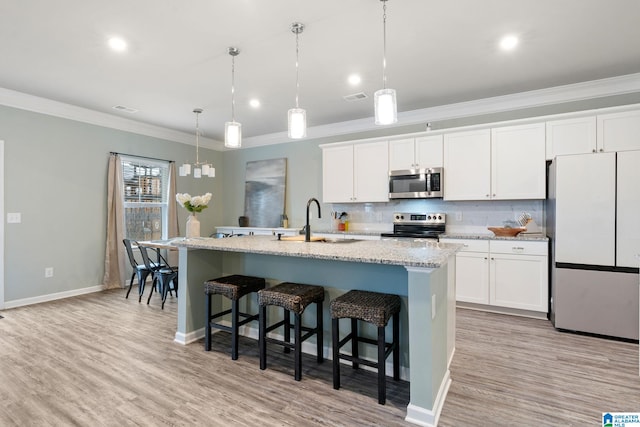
x=433 y=306
x=14 y=218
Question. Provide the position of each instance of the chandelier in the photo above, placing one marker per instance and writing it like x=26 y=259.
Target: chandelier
x=199 y=169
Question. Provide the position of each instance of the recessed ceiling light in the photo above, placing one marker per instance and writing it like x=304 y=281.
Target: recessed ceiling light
x=509 y=42
x=118 y=44
x=255 y=103
x=354 y=79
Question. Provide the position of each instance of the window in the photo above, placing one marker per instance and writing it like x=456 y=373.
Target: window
x=146 y=183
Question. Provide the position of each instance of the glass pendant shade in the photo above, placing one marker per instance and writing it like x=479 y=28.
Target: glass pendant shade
x=197 y=172
x=205 y=170
x=212 y=172
x=297 y=123
x=386 y=109
x=232 y=134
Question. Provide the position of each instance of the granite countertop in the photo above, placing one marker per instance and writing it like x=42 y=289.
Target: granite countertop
x=537 y=237
x=426 y=254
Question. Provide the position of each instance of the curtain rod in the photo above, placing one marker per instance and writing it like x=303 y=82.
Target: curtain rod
x=142 y=157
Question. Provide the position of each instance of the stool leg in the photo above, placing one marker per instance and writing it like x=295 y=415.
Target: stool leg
x=287 y=329
x=297 y=350
x=335 y=339
x=354 y=342
x=396 y=348
x=382 y=385
x=234 y=329
x=319 y=333
x=207 y=322
x=262 y=342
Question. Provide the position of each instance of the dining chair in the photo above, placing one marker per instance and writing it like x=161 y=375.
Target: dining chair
x=139 y=270
x=164 y=276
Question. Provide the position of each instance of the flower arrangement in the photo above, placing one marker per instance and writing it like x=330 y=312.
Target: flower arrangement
x=195 y=203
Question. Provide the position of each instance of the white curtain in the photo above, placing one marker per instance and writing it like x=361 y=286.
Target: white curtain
x=115 y=261
x=172 y=214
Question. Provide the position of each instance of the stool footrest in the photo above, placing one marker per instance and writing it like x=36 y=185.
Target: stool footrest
x=358 y=360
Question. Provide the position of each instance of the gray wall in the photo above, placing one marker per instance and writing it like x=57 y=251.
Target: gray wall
x=56 y=177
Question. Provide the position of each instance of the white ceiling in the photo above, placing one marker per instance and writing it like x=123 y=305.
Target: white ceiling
x=438 y=53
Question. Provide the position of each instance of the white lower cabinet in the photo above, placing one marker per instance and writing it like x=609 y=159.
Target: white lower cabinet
x=502 y=273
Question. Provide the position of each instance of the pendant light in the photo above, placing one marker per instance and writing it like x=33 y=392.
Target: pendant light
x=297 y=117
x=385 y=105
x=199 y=169
x=233 y=129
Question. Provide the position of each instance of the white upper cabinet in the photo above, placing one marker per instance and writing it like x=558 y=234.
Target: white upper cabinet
x=505 y=163
x=467 y=165
x=337 y=174
x=619 y=131
x=518 y=167
x=355 y=173
x=571 y=136
x=414 y=153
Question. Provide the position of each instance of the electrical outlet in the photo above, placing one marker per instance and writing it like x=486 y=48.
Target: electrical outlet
x=14 y=218
x=48 y=272
x=458 y=216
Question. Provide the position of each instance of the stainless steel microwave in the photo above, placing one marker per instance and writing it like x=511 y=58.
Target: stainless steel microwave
x=416 y=183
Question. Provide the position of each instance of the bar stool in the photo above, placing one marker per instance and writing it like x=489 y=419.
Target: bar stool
x=372 y=307
x=233 y=287
x=292 y=297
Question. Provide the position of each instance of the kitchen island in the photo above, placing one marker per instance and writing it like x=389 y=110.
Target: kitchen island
x=421 y=272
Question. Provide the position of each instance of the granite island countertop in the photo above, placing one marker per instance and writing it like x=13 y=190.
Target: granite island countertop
x=537 y=237
x=426 y=254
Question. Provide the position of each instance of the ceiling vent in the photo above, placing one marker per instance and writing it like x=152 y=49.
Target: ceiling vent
x=124 y=109
x=355 y=97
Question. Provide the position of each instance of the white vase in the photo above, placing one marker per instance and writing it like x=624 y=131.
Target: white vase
x=193 y=226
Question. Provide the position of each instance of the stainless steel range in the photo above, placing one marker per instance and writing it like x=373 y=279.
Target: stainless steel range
x=417 y=225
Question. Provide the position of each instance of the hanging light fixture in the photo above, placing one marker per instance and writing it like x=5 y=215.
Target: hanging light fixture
x=385 y=106
x=297 y=117
x=199 y=169
x=233 y=129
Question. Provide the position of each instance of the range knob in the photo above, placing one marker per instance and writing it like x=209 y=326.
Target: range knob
x=439 y=216
x=429 y=217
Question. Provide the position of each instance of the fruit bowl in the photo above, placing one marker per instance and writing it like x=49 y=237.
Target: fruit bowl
x=507 y=231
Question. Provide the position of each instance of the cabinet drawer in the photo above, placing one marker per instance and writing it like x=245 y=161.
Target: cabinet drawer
x=469 y=245
x=518 y=247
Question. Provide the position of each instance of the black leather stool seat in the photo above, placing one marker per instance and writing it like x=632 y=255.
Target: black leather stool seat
x=375 y=308
x=233 y=287
x=292 y=297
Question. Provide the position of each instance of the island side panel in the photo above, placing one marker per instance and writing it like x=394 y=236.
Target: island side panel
x=429 y=336
x=195 y=267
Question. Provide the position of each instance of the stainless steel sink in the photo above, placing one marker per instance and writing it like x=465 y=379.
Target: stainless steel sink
x=340 y=240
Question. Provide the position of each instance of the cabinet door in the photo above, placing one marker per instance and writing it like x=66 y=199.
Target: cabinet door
x=619 y=131
x=519 y=281
x=585 y=209
x=337 y=174
x=401 y=154
x=467 y=165
x=371 y=177
x=472 y=277
x=571 y=136
x=628 y=206
x=429 y=151
x=518 y=167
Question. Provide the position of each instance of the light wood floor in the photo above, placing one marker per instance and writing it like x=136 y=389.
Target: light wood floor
x=101 y=360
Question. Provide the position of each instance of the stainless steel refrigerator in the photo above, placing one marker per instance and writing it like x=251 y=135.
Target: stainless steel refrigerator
x=593 y=221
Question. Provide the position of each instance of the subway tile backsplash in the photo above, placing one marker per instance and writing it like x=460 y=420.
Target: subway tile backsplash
x=462 y=217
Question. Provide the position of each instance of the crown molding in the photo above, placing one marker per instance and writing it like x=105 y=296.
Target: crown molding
x=536 y=98
x=612 y=86
x=36 y=104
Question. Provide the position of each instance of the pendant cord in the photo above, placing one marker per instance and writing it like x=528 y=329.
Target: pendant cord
x=233 y=99
x=384 y=44
x=297 y=70
x=197 y=139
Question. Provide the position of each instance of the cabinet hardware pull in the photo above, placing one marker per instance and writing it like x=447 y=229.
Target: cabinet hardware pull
x=593 y=151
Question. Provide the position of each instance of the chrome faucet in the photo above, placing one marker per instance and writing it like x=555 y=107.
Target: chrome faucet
x=307 y=229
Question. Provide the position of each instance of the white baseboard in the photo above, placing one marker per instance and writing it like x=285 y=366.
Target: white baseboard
x=52 y=297
x=192 y=336
x=425 y=417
